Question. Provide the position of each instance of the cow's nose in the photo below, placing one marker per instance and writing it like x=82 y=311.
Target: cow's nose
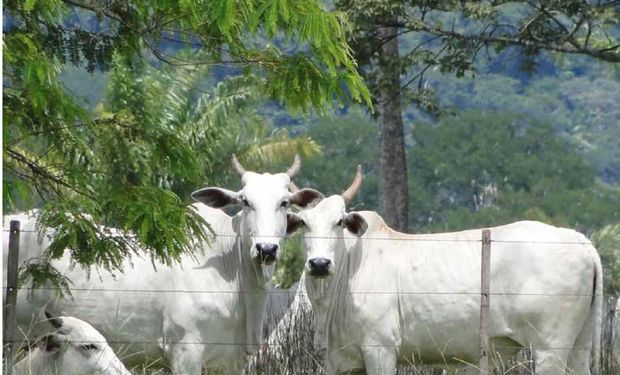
x=319 y=266
x=267 y=252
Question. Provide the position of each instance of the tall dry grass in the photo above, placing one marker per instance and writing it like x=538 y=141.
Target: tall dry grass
x=293 y=353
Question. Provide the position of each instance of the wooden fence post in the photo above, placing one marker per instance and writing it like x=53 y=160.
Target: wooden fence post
x=609 y=335
x=485 y=289
x=10 y=320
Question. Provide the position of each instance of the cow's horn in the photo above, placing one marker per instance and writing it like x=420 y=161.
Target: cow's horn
x=238 y=167
x=56 y=322
x=349 y=194
x=292 y=171
x=292 y=187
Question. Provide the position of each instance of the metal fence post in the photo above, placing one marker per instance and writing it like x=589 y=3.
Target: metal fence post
x=485 y=289
x=10 y=320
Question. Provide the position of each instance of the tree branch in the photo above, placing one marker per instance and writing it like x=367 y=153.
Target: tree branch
x=605 y=54
x=42 y=172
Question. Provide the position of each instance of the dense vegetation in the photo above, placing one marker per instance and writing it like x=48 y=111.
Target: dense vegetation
x=158 y=134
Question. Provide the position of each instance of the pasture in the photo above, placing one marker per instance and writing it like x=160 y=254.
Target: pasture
x=173 y=177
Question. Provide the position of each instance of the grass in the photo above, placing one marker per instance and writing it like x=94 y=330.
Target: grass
x=293 y=353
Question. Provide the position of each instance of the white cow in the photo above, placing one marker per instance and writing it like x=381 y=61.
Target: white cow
x=204 y=312
x=388 y=297
x=295 y=320
x=74 y=348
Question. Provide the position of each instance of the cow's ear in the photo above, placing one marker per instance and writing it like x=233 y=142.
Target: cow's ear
x=293 y=222
x=306 y=197
x=216 y=197
x=355 y=223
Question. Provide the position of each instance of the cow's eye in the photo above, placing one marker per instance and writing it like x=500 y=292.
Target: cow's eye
x=339 y=223
x=245 y=202
x=285 y=204
x=88 y=347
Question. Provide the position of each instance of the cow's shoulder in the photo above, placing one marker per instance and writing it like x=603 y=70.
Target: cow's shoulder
x=215 y=217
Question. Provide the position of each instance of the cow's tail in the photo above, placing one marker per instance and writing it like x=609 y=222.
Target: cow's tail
x=590 y=336
x=596 y=312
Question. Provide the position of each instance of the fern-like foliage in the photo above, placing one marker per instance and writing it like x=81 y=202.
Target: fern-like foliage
x=164 y=129
x=158 y=135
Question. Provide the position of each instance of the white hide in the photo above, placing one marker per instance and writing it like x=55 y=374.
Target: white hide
x=205 y=312
x=393 y=297
x=75 y=348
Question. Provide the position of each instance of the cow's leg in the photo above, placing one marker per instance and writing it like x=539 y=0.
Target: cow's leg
x=551 y=361
x=579 y=361
x=185 y=357
x=233 y=367
x=182 y=345
x=379 y=360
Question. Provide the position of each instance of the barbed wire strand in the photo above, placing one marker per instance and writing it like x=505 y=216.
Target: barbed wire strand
x=285 y=292
x=234 y=235
x=271 y=344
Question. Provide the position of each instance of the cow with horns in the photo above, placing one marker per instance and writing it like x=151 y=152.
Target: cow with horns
x=381 y=297
x=205 y=312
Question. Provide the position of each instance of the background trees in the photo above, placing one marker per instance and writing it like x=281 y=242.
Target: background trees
x=507 y=167
x=449 y=36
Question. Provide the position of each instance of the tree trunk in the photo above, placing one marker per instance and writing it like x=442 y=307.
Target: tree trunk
x=393 y=188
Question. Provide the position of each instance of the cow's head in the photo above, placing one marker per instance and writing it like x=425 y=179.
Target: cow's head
x=75 y=347
x=323 y=225
x=265 y=199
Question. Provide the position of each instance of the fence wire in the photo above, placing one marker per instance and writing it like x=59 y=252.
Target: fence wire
x=397 y=239
x=283 y=292
x=277 y=345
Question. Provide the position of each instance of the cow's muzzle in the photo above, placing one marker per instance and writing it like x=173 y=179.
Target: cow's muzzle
x=266 y=252
x=319 y=266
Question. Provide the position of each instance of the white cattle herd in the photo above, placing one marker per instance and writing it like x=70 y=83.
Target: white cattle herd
x=379 y=297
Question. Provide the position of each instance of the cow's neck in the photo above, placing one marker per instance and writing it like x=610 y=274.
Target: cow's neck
x=329 y=296
x=341 y=286
x=254 y=287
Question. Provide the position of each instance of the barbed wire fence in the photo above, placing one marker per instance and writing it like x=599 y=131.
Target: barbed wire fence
x=301 y=355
